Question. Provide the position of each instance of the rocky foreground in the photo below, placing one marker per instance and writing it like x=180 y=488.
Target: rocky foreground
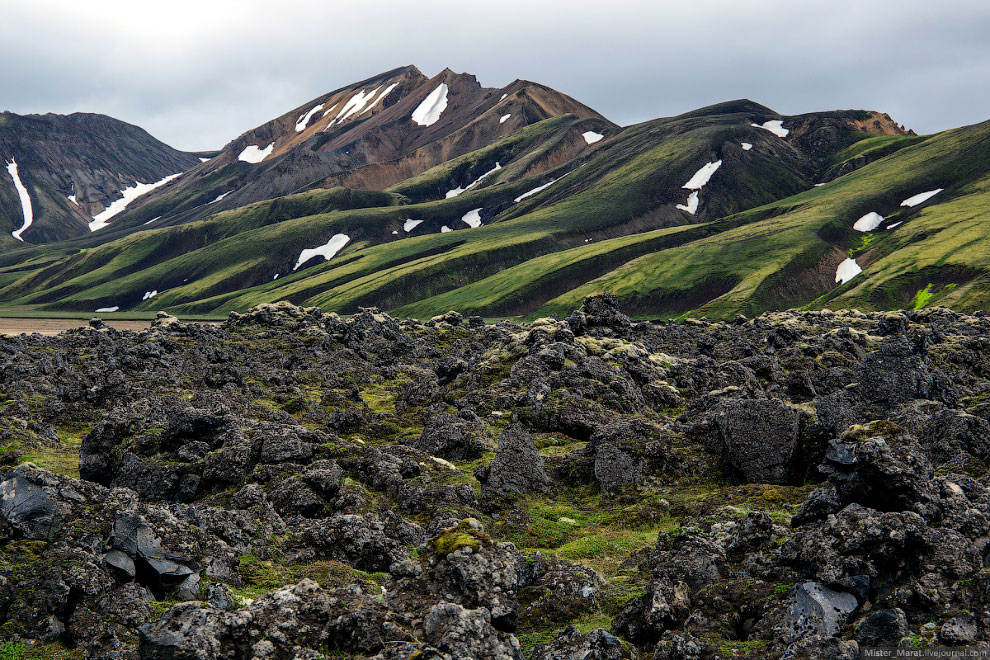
x=291 y=484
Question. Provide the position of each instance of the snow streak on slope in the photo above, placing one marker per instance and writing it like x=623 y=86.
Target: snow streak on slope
x=702 y=176
x=868 y=222
x=504 y=118
x=921 y=197
x=536 y=190
x=303 y=120
x=254 y=154
x=692 y=203
x=775 y=126
x=332 y=247
x=410 y=224
x=380 y=97
x=696 y=183
x=591 y=137
x=101 y=219
x=354 y=105
x=457 y=191
x=428 y=112
x=107 y=309
x=847 y=270
x=221 y=196
x=22 y=192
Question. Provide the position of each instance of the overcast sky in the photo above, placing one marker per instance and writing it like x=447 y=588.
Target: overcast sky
x=197 y=73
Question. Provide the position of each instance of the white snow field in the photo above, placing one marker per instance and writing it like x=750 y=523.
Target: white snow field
x=410 y=224
x=255 y=154
x=445 y=229
x=221 y=196
x=303 y=120
x=428 y=112
x=702 y=176
x=692 y=203
x=457 y=191
x=385 y=93
x=26 y=210
x=149 y=294
x=331 y=109
x=537 y=190
x=102 y=219
x=591 y=137
x=332 y=247
x=472 y=218
x=775 y=126
x=921 y=197
x=107 y=309
x=746 y=146
x=847 y=270
x=869 y=222
x=504 y=118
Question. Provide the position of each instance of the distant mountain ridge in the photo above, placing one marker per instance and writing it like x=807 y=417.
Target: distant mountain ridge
x=420 y=195
x=74 y=167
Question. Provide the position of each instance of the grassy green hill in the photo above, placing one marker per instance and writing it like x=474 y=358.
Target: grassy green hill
x=763 y=236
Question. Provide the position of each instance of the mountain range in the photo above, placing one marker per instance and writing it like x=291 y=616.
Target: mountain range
x=420 y=195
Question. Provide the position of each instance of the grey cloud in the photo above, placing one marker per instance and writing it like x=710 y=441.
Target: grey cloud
x=197 y=74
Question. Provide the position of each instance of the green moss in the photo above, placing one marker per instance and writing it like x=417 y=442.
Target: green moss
x=452 y=540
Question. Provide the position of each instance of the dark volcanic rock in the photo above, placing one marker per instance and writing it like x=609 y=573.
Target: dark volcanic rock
x=516 y=469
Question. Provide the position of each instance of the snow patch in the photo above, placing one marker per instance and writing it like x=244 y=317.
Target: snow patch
x=702 y=176
x=102 y=219
x=409 y=225
x=275 y=278
x=746 y=146
x=445 y=229
x=847 y=270
x=504 y=118
x=428 y=112
x=819 y=185
x=921 y=197
x=537 y=189
x=472 y=218
x=869 y=222
x=255 y=154
x=148 y=295
x=153 y=219
x=22 y=192
x=395 y=232
x=457 y=191
x=221 y=196
x=332 y=247
x=354 y=105
x=896 y=224
x=334 y=107
x=102 y=310
x=591 y=137
x=72 y=198
x=775 y=126
x=303 y=120
x=692 y=203
x=385 y=93
x=503 y=98
x=203 y=160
